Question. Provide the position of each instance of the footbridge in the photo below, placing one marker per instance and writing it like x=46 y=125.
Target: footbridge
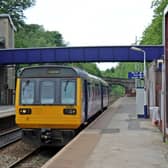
x=128 y=84
x=79 y=54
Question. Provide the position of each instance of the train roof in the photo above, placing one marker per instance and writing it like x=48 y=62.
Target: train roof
x=56 y=71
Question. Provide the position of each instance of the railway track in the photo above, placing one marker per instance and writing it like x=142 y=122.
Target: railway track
x=25 y=157
x=35 y=158
x=10 y=136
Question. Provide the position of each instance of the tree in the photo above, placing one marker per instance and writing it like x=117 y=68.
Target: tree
x=34 y=35
x=153 y=33
x=89 y=67
x=15 y=9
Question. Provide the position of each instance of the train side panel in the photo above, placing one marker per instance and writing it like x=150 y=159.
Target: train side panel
x=94 y=98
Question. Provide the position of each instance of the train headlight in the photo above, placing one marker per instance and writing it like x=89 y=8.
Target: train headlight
x=25 y=111
x=70 y=111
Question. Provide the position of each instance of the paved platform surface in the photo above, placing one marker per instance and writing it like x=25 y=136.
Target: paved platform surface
x=117 y=139
x=6 y=111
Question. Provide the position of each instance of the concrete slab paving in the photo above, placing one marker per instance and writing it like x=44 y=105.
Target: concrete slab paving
x=6 y=111
x=117 y=139
x=137 y=145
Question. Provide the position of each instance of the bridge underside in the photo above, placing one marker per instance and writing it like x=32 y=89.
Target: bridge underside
x=79 y=54
x=127 y=84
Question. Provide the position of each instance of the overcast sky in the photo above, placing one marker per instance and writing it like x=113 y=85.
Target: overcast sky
x=93 y=22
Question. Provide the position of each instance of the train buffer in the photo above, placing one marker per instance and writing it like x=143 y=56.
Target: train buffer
x=116 y=139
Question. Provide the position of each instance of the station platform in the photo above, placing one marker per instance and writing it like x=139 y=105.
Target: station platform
x=116 y=139
x=6 y=111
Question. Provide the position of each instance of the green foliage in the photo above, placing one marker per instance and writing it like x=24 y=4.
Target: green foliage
x=117 y=90
x=121 y=71
x=35 y=36
x=89 y=67
x=159 y=6
x=15 y=9
x=153 y=33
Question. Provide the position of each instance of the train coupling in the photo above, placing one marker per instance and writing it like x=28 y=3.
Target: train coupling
x=46 y=136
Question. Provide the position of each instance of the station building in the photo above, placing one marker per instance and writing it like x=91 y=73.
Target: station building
x=7 y=72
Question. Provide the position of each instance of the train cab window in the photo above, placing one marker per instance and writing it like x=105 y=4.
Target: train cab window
x=27 y=92
x=68 y=91
x=47 y=92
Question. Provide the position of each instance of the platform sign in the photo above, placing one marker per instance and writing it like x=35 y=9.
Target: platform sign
x=135 y=75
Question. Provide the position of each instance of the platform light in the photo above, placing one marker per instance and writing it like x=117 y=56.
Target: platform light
x=145 y=91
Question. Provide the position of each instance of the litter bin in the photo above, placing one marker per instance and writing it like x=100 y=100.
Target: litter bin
x=154 y=113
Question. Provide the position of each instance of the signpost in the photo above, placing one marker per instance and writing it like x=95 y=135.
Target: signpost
x=138 y=76
x=135 y=75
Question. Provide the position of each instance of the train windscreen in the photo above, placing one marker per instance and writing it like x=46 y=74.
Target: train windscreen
x=67 y=92
x=48 y=91
x=28 y=92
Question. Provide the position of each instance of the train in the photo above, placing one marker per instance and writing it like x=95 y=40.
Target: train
x=54 y=101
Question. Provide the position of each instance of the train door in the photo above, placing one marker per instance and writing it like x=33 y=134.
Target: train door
x=101 y=97
x=85 y=100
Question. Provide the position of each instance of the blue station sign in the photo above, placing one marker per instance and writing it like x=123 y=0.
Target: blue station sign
x=135 y=75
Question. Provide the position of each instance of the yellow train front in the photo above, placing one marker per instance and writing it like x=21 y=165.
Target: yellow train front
x=53 y=102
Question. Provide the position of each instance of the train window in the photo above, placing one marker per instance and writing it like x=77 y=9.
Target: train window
x=27 y=92
x=104 y=91
x=97 y=90
x=89 y=90
x=68 y=91
x=47 y=92
x=93 y=91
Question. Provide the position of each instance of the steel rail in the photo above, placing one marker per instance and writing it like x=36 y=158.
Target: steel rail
x=10 y=136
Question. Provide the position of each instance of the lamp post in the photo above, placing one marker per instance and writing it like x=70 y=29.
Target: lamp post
x=145 y=91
